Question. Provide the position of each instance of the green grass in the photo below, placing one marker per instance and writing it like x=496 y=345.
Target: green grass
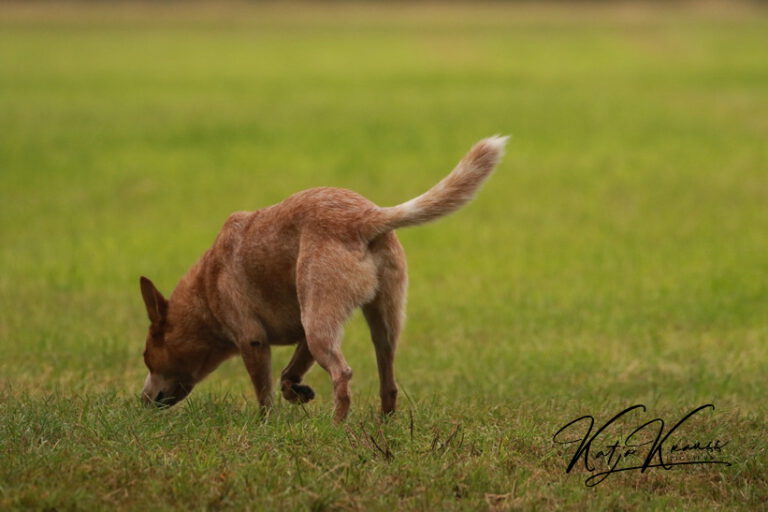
x=618 y=256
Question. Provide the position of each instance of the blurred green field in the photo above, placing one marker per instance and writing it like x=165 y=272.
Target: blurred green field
x=618 y=256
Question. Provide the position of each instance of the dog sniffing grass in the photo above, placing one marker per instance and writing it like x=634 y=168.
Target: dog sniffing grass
x=291 y=274
x=618 y=258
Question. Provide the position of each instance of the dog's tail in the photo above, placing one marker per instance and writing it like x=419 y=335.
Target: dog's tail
x=450 y=194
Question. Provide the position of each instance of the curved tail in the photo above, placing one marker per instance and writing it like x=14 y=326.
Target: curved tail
x=450 y=194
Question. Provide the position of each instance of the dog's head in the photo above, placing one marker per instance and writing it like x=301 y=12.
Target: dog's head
x=169 y=355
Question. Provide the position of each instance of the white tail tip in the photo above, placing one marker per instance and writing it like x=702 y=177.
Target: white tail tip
x=497 y=142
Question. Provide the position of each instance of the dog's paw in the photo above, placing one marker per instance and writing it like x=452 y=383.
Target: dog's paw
x=298 y=393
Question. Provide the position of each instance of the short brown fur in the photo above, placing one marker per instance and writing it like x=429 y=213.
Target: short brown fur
x=292 y=273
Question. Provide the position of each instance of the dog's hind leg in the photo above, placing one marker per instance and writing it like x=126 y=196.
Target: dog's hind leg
x=385 y=317
x=290 y=377
x=332 y=280
x=324 y=328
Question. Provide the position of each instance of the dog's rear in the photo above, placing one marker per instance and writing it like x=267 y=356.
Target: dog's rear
x=335 y=279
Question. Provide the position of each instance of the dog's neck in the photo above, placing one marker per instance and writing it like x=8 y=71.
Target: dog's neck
x=190 y=306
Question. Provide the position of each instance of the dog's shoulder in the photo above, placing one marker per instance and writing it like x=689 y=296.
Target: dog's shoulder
x=233 y=227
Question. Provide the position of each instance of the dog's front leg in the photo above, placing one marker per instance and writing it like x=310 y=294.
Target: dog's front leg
x=254 y=348
x=257 y=357
x=290 y=378
x=251 y=339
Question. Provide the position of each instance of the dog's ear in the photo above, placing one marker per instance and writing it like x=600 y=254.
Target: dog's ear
x=157 y=306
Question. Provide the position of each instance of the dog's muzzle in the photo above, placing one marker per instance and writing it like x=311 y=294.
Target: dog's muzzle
x=166 y=393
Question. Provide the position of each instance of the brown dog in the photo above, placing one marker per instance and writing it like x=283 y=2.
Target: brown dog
x=291 y=274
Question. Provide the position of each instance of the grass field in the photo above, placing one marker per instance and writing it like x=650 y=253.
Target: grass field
x=619 y=256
